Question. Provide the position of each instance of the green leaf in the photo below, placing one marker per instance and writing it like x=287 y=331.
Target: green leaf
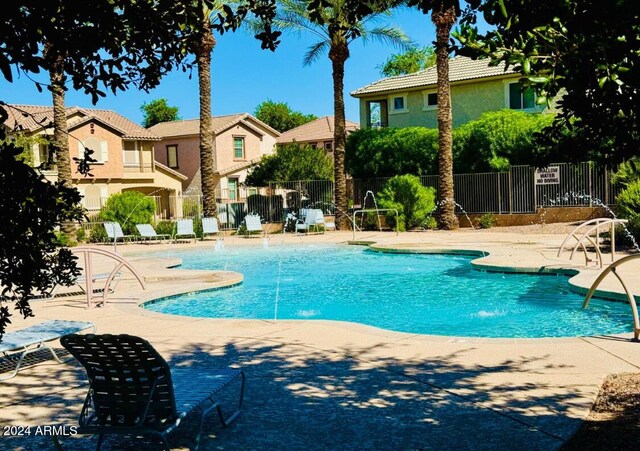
x=538 y=79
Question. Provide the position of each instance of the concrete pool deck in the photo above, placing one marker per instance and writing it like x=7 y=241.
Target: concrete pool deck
x=332 y=385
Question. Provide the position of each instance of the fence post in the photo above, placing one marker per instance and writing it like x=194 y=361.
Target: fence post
x=510 y=190
x=499 y=195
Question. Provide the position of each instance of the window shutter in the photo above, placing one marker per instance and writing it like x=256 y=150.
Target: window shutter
x=104 y=149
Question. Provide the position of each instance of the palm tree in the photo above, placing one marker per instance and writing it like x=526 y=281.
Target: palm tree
x=57 y=80
x=335 y=32
x=202 y=46
x=444 y=14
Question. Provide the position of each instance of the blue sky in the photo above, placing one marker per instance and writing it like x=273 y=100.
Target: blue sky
x=243 y=75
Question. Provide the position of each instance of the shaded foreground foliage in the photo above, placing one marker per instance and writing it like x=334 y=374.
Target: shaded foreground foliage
x=32 y=208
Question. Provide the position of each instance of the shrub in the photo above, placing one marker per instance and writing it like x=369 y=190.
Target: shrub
x=292 y=162
x=496 y=140
x=414 y=202
x=81 y=235
x=487 y=221
x=628 y=172
x=165 y=228
x=129 y=208
x=629 y=207
x=387 y=152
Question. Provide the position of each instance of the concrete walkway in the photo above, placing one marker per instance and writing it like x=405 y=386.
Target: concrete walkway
x=331 y=385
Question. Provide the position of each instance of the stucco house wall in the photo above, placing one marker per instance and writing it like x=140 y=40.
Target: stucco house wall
x=259 y=140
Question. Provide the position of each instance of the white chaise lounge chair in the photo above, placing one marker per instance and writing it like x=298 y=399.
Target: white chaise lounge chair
x=184 y=229
x=115 y=233
x=148 y=234
x=210 y=227
x=36 y=337
x=313 y=221
x=253 y=224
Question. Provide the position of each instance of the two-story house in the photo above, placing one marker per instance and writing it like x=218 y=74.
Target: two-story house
x=123 y=151
x=241 y=141
x=412 y=100
x=316 y=133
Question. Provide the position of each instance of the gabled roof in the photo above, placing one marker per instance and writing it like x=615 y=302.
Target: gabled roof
x=320 y=129
x=218 y=123
x=460 y=68
x=32 y=118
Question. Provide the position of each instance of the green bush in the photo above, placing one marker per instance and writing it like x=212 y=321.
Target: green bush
x=81 y=235
x=629 y=207
x=386 y=152
x=487 y=221
x=129 y=208
x=414 y=202
x=496 y=140
x=628 y=172
x=165 y=228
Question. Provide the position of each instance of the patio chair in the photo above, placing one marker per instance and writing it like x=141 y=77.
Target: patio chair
x=148 y=234
x=253 y=223
x=184 y=228
x=133 y=391
x=36 y=337
x=115 y=233
x=210 y=227
x=314 y=219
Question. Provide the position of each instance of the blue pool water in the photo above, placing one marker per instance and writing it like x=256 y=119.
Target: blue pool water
x=427 y=294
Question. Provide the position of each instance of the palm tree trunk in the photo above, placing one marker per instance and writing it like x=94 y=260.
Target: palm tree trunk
x=207 y=140
x=444 y=18
x=57 y=79
x=339 y=53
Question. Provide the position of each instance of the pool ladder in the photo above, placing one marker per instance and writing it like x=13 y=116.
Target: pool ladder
x=630 y=297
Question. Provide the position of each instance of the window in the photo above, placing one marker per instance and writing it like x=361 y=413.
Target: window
x=233 y=189
x=238 y=147
x=399 y=104
x=100 y=149
x=43 y=155
x=328 y=146
x=172 y=156
x=130 y=152
x=521 y=98
x=430 y=100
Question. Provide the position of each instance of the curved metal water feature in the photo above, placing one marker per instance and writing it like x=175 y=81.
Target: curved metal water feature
x=87 y=252
x=630 y=297
x=595 y=225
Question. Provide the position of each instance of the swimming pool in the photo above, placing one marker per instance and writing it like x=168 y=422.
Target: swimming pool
x=415 y=293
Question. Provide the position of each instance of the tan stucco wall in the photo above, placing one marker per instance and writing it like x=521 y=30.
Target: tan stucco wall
x=469 y=101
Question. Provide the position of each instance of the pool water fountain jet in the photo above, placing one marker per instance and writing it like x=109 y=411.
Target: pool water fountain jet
x=375 y=205
x=571 y=197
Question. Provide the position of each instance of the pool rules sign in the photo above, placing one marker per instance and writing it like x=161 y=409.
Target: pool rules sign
x=548 y=176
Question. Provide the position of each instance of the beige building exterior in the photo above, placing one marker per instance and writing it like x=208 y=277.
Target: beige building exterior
x=411 y=100
x=241 y=141
x=317 y=133
x=124 y=152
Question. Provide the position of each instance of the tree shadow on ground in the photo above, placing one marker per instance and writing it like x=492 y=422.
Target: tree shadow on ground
x=299 y=397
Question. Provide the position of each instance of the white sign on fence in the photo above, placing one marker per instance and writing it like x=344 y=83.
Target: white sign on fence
x=548 y=176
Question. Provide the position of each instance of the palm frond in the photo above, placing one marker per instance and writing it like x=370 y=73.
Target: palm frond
x=314 y=52
x=387 y=35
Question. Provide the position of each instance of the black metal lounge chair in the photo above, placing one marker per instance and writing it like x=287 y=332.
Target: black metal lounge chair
x=134 y=392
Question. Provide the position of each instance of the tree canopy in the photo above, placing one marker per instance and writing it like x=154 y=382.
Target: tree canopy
x=585 y=53
x=413 y=60
x=157 y=111
x=292 y=162
x=280 y=116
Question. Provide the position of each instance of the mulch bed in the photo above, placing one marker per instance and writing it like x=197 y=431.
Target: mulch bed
x=614 y=421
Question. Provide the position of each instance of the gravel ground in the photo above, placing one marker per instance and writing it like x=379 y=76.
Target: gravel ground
x=614 y=421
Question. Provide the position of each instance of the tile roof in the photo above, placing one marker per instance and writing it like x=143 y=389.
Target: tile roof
x=33 y=117
x=192 y=126
x=320 y=129
x=460 y=68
